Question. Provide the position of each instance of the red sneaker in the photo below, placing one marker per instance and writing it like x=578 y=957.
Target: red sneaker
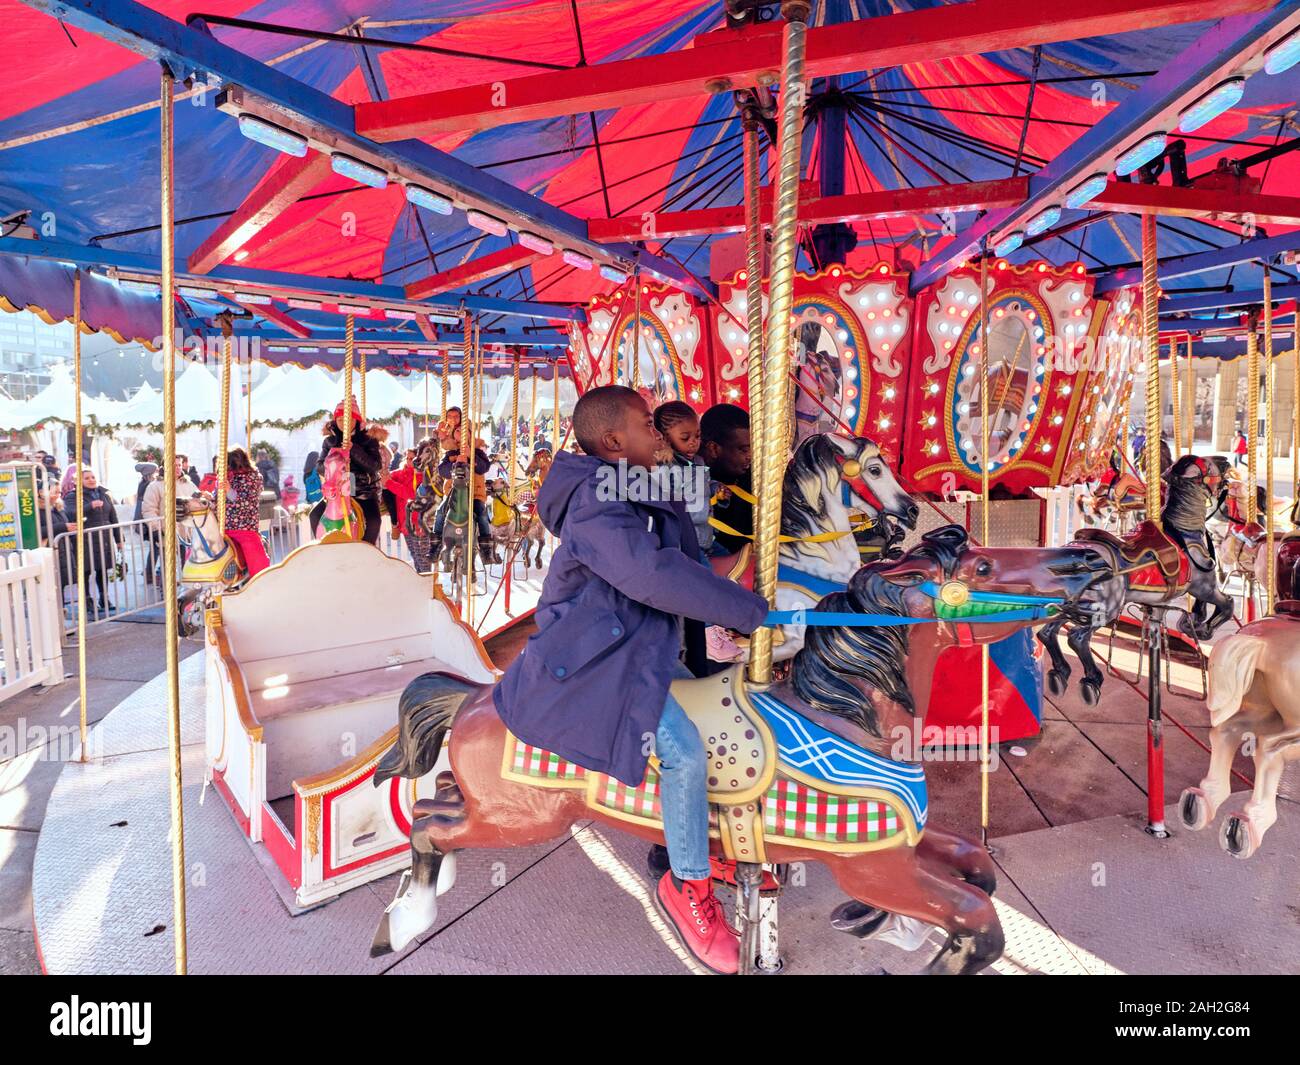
x=723 y=871
x=702 y=928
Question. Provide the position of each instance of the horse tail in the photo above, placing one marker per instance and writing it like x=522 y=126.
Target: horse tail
x=1232 y=669
x=425 y=712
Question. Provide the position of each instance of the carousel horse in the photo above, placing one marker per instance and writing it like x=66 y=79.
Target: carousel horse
x=505 y=516
x=1254 y=691
x=534 y=532
x=1118 y=495
x=837 y=489
x=855 y=693
x=455 y=529
x=214 y=563
x=1151 y=567
x=342 y=513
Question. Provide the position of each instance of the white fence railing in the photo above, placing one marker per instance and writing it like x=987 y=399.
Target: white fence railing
x=30 y=627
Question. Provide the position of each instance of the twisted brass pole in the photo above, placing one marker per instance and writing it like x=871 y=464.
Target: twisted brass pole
x=1252 y=415
x=227 y=350
x=349 y=345
x=776 y=369
x=1151 y=346
x=1189 y=394
x=446 y=372
x=754 y=296
x=81 y=510
x=1270 y=591
x=363 y=382
x=985 y=467
x=1175 y=398
x=171 y=628
x=467 y=454
x=514 y=429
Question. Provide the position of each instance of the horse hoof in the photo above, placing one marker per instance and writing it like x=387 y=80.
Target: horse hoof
x=413 y=911
x=1056 y=681
x=1091 y=692
x=1238 y=836
x=858 y=919
x=1194 y=809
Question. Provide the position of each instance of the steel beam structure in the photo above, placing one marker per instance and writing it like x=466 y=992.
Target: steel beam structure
x=1134 y=198
x=467 y=273
x=253 y=87
x=133 y=264
x=291 y=180
x=1263 y=249
x=1225 y=48
x=735 y=59
x=814 y=209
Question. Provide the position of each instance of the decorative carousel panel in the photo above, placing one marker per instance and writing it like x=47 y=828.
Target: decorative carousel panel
x=1106 y=383
x=656 y=342
x=1036 y=313
x=851 y=344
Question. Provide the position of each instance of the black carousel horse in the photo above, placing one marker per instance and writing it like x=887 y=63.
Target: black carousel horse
x=1151 y=568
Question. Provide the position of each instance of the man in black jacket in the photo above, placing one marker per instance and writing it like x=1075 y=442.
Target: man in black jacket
x=724 y=445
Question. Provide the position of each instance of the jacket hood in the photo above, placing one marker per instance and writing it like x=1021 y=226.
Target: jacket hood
x=567 y=474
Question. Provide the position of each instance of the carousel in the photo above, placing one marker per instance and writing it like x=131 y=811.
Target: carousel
x=1017 y=629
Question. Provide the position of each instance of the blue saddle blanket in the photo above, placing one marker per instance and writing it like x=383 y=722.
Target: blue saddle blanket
x=806 y=746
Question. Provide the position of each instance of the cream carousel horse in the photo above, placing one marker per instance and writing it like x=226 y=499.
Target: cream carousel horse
x=1255 y=695
x=214 y=563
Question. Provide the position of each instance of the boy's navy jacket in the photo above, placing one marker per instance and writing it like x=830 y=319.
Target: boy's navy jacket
x=591 y=682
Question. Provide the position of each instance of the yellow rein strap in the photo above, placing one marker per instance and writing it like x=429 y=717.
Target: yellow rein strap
x=858 y=525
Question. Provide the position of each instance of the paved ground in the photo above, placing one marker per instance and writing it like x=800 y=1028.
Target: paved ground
x=1086 y=772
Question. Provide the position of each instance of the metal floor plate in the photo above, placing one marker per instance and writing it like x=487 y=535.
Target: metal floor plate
x=102 y=892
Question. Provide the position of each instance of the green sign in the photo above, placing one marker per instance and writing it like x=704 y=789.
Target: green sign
x=18 y=528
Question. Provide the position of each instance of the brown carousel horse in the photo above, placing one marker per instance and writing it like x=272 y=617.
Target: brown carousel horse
x=832 y=730
x=1151 y=567
x=1118 y=495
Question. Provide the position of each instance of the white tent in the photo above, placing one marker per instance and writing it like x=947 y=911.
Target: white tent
x=545 y=398
x=198 y=399
x=56 y=401
x=289 y=394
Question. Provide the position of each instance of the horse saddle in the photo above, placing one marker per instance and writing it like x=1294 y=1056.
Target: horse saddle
x=1148 y=553
x=223 y=568
x=1250 y=533
x=738 y=567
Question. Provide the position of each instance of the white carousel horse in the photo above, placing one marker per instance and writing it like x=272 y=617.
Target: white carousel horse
x=834 y=484
x=215 y=563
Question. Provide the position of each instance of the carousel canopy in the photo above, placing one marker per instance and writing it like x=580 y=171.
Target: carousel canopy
x=991 y=101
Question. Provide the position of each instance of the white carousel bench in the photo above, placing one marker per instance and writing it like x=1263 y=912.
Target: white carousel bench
x=305 y=665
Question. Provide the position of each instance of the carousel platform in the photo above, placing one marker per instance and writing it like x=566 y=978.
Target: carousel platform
x=1091 y=896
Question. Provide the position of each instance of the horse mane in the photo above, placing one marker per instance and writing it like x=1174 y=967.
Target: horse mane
x=832 y=657
x=803 y=506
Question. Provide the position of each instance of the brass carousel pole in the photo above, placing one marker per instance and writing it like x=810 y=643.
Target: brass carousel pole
x=773 y=444
x=169 y=522
x=532 y=420
x=636 y=337
x=227 y=349
x=1295 y=406
x=1270 y=590
x=446 y=374
x=1176 y=398
x=363 y=383
x=467 y=453
x=1189 y=400
x=349 y=351
x=754 y=290
x=81 y=509
x=774 y=441
x=514 y=426
x=985 y=467
x=1252 y=415
x=1153 y=629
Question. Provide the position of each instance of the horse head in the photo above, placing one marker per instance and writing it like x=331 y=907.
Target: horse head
x=834 y=471
x=950 y=592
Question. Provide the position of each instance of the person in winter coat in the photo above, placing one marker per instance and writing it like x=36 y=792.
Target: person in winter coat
x=243 y=491
x=311 y=478
x=270 y=472
x=446 y=468
x=151 y=509
x=147 y=471
x=367 y=465
x=102 y=543
x=52 y=529
x=594 y=678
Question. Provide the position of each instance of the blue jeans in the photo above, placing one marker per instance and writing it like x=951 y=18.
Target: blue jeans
x=683 y=794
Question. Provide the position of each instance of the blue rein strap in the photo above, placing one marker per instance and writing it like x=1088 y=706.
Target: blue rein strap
x=836 y=619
